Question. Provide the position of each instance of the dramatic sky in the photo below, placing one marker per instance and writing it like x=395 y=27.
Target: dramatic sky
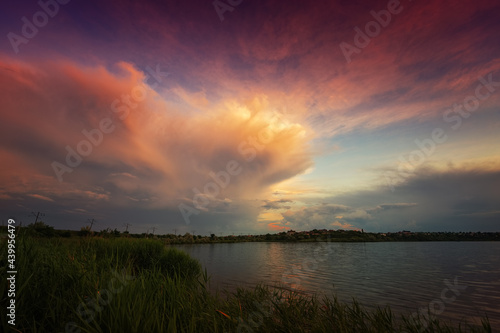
x=240 y=116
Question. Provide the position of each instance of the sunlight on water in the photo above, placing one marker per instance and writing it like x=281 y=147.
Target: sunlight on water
x=406 y=275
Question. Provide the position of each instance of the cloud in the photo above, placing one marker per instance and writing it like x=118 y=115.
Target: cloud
x=278 y=71
x=394 y=206
x=457 y=198
x=41 y=197
x=276 y=204
x=155 y=156
x=323 y=216
x=291 y=53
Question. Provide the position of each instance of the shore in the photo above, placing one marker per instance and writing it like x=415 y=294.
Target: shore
x=139 y=285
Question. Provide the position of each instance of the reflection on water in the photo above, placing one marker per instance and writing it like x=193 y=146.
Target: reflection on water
x=406 y=275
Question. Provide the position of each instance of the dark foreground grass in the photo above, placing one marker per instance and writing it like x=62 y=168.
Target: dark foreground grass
x=137 y=285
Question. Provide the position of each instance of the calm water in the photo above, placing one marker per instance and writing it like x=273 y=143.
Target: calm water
x=406 y=276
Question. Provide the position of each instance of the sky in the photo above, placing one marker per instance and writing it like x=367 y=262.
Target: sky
x=251 y=117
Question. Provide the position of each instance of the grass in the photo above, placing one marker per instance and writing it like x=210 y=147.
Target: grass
x=138 y=285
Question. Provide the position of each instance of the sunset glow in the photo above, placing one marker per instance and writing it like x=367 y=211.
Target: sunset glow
x=281 y=116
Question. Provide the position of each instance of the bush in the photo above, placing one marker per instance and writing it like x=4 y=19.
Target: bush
x=174 y=262
x=40 y=229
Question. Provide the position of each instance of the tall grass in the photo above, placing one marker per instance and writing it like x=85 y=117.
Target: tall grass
x=137 y=285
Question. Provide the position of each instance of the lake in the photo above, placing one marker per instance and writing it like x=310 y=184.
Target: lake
x=458 y=279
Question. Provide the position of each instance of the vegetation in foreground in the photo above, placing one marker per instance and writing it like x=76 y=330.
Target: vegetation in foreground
x=139 y=285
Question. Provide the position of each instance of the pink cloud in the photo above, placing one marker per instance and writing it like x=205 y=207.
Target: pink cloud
x=154 y=151
x=41 y=197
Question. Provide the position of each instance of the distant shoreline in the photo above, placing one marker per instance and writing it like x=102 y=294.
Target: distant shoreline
x=323 y=235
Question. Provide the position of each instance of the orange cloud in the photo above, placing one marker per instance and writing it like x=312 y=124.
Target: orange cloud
x=41 y=197
x=155 y=152
x=276 y=227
